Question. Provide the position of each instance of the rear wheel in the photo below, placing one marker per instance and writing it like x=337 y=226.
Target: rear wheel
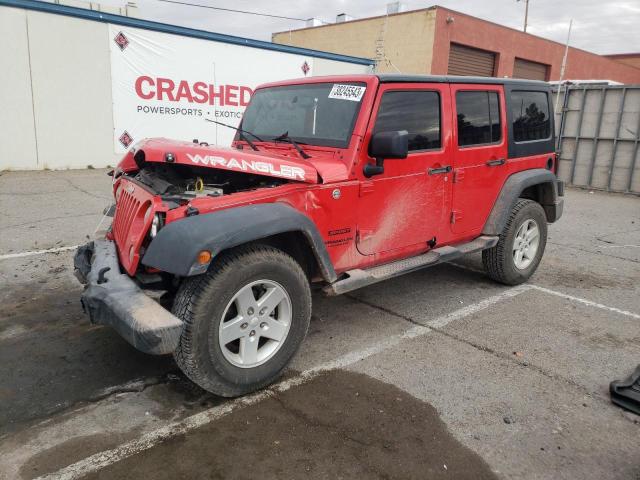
x=521 y=245
x=244 y=320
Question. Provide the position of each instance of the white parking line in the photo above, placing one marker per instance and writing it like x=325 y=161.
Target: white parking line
x=103 y=459
x=37 y=252
x=566 y=296
x=584 y=301
x=476 y=307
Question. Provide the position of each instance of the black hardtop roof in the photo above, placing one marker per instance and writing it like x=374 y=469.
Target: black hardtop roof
x=401 y=78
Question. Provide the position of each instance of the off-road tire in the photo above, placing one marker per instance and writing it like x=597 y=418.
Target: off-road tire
x=499 y=262
x=202 y=300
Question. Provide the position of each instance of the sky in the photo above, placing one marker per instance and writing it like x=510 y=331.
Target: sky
x=609 y=26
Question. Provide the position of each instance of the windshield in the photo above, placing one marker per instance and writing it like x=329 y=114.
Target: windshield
x=317 y=114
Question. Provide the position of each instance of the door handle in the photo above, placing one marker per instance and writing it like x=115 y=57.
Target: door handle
x=495 y=163
x=437 y=171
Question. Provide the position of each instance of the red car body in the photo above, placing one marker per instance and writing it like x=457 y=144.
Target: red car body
x=375 y=220
x=357 y=206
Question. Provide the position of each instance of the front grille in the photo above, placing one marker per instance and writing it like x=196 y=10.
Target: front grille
x=131 y=222
x=126 y=210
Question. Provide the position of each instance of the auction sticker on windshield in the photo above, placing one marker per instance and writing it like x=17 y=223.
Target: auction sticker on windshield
x=347 y=92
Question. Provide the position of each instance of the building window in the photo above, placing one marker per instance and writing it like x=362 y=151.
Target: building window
x=530 y=114
x=417 y=112
x=478 y=114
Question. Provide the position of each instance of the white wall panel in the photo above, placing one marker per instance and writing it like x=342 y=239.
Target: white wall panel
x=71 y=91
x=56 y=87
x=17 y=136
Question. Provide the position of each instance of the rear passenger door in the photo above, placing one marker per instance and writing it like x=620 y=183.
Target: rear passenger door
x=479 y=155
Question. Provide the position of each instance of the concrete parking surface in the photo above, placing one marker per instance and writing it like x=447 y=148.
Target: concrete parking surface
x=438 y=374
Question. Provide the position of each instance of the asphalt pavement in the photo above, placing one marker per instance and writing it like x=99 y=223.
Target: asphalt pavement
x=440 y=373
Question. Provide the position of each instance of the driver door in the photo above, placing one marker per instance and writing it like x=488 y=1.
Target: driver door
x=402 y=209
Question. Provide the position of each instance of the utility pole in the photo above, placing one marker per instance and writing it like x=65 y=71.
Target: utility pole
x=526 y=14
x=566 y=51
x=564 y=65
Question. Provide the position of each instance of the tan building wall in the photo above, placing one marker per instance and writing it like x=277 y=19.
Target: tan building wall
x=408 y=39
x=419 y=41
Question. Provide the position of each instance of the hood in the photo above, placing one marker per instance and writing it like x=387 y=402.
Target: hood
x=249 y=161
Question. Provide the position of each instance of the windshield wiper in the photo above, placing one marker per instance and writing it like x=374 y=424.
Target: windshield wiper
x=286 y=138
x=241 y=133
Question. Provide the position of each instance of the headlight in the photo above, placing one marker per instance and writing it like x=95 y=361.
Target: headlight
x=156 y=224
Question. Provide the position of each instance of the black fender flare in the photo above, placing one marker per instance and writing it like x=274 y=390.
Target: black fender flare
x=176 y=246
x=511 y=191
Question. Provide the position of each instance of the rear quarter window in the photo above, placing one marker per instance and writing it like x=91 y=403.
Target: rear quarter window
x=530 y=116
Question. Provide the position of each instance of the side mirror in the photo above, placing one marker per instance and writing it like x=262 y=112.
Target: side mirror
x=386 y=145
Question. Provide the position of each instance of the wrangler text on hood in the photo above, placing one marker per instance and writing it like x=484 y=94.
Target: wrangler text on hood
x=285 y=171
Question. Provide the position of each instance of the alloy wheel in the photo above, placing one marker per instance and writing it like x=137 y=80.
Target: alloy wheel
x=255 y=323
x=525 y=244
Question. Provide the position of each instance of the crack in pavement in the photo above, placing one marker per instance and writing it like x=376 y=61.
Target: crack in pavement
x=29 y=194
x=49 y=219
x=600 y=237
x=486 y=349
x=592 y=252
x=134 y=386
x=86 y=192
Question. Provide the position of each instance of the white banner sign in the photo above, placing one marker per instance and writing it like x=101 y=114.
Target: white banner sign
x=167 y=85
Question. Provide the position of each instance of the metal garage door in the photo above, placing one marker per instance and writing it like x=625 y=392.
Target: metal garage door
x=530 y=70
x=470 y=61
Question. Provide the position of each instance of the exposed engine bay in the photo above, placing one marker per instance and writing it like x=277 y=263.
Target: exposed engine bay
x=178 y=183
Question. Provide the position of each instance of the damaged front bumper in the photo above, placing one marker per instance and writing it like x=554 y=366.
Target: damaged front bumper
x=112 y=298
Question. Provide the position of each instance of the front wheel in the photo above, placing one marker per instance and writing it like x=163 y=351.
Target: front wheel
x=244 y=320
x=520 y=247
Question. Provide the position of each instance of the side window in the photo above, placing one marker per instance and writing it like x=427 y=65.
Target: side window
x=478 y=118
x=530 y=113
x=414 y=111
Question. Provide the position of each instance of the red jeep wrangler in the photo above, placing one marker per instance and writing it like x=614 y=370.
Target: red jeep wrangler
x=338 y=181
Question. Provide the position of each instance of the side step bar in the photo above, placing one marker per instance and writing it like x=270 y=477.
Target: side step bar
x=358 y=278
